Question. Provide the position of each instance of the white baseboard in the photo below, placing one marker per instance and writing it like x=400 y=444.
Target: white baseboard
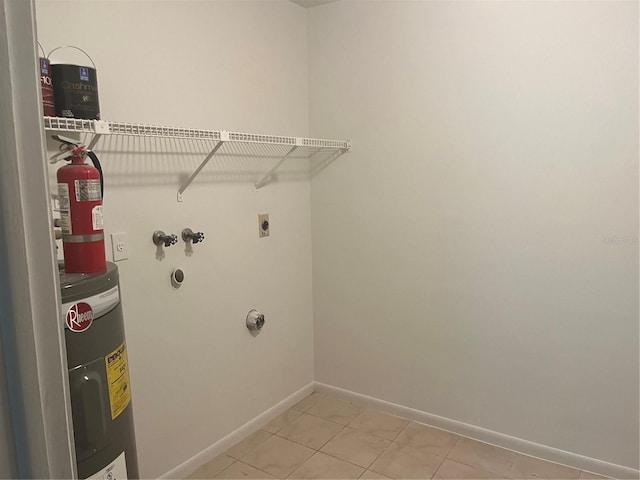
x=488 y=436
x=222 y=445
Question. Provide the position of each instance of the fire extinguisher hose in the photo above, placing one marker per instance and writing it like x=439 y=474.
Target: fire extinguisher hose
x=96 y=163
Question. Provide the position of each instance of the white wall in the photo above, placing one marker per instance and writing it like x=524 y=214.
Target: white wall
x=460 y=260
x=197 y=373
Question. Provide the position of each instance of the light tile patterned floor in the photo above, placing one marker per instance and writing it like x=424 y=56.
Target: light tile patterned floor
x=327 y=438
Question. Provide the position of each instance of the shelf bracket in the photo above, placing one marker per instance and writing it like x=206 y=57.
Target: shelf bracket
x=100 y=127
x=260 y=183
x=202 y=165
x=93 y=141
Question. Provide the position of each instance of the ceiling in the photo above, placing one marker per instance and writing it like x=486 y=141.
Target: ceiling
x=312 y=3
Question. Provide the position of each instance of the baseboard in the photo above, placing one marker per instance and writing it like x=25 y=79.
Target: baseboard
x=222 y=445
x=519 y=445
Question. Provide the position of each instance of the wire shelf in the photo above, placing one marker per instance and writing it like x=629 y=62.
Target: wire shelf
x=69 y=124
x=102 y=127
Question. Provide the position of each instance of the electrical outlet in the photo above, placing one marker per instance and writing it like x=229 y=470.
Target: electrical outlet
x=120 y=246
x=263 y=225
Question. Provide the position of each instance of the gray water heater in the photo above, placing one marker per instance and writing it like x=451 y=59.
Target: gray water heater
x=98 y=375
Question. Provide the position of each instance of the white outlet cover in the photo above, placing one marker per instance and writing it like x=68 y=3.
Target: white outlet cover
x=119 y=246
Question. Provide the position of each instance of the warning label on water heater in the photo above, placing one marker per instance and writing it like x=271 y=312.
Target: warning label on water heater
x=118 y=380
x=116 y=470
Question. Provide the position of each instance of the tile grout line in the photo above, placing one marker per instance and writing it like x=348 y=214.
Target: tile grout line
x=376 y=459
x=318 y=450
x=446 y=456
x=332 y=421
x=322 y=418
x=439 y=465
x=516 y=453
x=249 y=451
x=307 y=446
x=334 y=436
x=238 y=460
x=391 y=442
x=296 y=442
x=452 y=446
x=502 y=475
x=259 y=469
x=362 y=431
x=442 y=458
x=373 y=435
x=349 y=462
x=299 y=466
x=342 y=459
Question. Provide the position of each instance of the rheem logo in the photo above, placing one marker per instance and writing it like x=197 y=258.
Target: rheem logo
x=79 y=317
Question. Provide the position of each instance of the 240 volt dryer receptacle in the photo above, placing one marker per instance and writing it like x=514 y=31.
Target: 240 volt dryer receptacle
x=98 y=375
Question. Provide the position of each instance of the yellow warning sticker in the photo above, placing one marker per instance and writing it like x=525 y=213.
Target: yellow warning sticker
x=118 y=379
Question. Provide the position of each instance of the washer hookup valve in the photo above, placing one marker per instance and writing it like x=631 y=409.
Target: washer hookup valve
x=189 y=235
x=159 y=238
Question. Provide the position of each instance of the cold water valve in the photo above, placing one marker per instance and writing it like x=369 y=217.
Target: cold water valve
x=189 y=235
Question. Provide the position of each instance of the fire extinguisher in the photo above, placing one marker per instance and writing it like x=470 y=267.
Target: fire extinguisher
x=80 y=191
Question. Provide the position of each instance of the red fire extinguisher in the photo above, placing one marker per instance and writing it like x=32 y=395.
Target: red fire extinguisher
x=80 y=190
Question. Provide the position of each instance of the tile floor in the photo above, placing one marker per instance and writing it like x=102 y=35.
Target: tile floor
x=325 y=437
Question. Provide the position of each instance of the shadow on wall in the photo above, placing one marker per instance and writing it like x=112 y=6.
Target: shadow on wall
x=148 y=161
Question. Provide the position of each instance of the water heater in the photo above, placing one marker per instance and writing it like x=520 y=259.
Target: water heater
x=98 y=375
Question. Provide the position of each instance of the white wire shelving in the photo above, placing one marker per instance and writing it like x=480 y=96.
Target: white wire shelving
x=98 y=128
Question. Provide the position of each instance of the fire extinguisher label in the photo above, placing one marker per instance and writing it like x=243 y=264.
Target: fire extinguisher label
x=65 y=211
x=118 y=379
x=88 y=190
x=97 y=218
